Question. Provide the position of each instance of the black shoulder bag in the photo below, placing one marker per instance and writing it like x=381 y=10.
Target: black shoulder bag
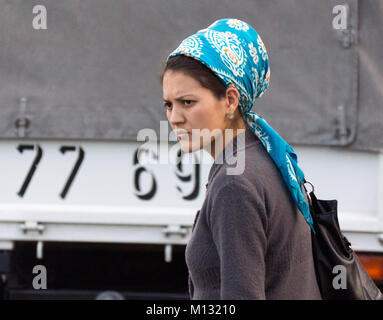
x=332 y=249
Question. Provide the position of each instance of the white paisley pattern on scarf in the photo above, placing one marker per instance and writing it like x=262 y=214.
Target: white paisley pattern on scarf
x=253 y=52
x=290 y=169
x=255 y=82
x=263 y=84
x=258 y=130
x=237 y=24
x=191 y=46
x=230 y=50
x=262 y=49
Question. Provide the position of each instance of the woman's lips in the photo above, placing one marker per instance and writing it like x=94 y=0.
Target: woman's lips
x=182 y=135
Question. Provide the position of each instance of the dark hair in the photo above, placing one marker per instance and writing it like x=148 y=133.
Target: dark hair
x=197 y=71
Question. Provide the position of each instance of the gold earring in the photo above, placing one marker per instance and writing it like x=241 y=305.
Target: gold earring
x=230 y=115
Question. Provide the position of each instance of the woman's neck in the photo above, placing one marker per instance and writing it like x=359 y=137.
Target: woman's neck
x=222 y=140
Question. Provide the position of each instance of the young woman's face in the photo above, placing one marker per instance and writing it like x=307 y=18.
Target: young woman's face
x=193 y=109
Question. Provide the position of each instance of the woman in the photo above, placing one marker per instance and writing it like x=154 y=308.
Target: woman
x=249 y=240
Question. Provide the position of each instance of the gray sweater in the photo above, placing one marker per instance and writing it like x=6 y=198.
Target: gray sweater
x=249 y=240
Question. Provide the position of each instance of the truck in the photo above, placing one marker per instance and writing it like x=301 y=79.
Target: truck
x=97 y=201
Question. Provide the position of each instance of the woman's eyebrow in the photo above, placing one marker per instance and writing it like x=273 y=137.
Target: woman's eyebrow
x=181 y=97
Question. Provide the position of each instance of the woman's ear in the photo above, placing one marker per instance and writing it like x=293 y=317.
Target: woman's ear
x=232 y=96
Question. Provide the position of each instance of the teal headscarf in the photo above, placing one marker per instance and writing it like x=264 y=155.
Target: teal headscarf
x=235 y=52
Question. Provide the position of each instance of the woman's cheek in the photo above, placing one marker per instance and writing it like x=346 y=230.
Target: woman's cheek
x=200 y=117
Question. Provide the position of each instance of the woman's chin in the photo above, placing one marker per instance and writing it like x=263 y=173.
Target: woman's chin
x=188 y=147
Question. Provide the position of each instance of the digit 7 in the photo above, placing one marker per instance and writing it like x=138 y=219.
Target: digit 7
x=33 y=167
x=76 y=167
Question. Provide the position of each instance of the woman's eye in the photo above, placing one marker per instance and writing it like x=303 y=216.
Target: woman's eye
x=168 y=105
x=187 y=102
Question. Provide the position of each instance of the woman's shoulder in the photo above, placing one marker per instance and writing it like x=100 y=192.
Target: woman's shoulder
x=254 y=174
x=234 y=188
x=247 y=167
x=250 y=166
x=235 y=199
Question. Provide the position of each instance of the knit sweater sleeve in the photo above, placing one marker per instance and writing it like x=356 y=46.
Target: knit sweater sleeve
x=238 y=224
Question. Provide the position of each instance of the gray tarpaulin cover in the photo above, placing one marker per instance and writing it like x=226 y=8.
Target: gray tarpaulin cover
x=93 y=73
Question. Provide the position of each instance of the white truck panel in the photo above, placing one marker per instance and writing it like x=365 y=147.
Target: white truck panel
x=101 y=204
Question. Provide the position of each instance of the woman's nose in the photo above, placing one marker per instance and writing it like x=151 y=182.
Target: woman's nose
x=176 y=116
